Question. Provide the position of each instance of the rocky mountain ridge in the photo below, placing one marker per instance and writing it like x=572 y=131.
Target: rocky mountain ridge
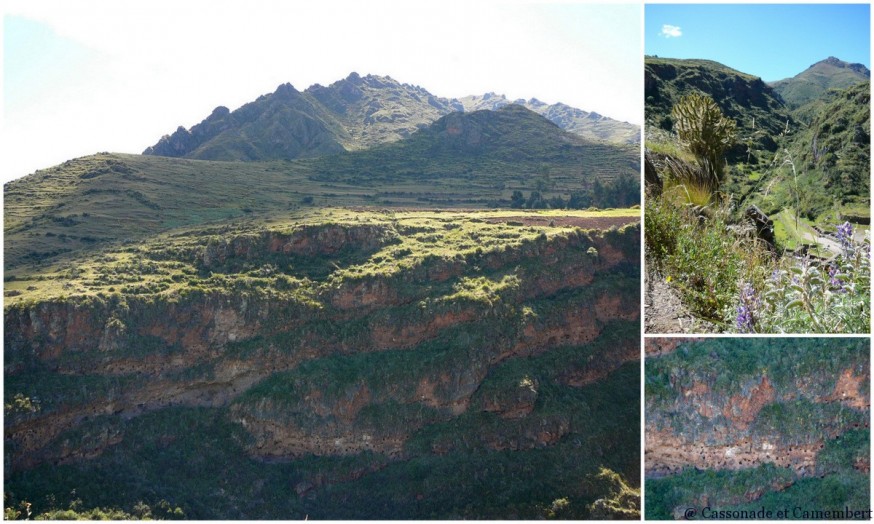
x=354 y=113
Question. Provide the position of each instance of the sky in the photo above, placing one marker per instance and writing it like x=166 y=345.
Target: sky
x=772 y=42
x=85 y=76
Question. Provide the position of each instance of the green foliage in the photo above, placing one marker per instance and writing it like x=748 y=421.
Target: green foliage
x=700 y=255
x=621 y=503
x=21 y=404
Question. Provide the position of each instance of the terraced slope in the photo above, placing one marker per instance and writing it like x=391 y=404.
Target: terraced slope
x=473 y=160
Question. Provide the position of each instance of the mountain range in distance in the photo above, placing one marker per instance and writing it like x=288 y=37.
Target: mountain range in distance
x=354 y=113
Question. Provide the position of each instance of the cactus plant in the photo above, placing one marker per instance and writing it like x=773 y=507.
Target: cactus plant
x=707 y=133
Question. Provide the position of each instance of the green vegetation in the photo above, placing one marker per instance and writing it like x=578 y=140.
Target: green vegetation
x=699 y=255
x=78 y=205
x=196 y=459
x=810 y=85
x=806 y=174
x=801 y=410
x=729 y=365
x=368 y=244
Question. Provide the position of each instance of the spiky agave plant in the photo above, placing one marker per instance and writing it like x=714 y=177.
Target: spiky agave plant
x=707 y=133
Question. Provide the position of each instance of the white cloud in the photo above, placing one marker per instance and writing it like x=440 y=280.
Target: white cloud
x=671 y=31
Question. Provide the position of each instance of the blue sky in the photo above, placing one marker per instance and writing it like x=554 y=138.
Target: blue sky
x=770 y=41
x=103 y=75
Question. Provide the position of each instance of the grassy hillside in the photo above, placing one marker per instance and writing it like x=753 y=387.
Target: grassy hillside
x=474 y=160
x=759 y=113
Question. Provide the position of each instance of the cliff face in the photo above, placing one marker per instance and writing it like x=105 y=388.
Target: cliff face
x=743 y=406
x=329 y=361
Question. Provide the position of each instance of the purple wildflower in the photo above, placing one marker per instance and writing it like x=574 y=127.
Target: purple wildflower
x=833 y=280
x=845 y=235
x=747 y=306
x=744 y=319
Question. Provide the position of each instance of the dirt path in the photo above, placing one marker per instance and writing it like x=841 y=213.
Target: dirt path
x=830 y=245
x=563 y=221
x=663 y=310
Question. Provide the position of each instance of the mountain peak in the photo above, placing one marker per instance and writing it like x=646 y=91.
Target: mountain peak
x=286 y=89
x=353 y=113
x=837 y=62
x=831 y=73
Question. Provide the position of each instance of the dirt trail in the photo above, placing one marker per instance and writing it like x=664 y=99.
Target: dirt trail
x=664 y=312
x=826 y=243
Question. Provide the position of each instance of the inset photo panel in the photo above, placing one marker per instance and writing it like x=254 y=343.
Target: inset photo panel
x=757 y=428
x=757 y=168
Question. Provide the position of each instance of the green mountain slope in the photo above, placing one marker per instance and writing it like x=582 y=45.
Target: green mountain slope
x=464 y=160
x=759 y=113
x=285 y=124
x=826 y=138
x=830 y=148
x=814 y=81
